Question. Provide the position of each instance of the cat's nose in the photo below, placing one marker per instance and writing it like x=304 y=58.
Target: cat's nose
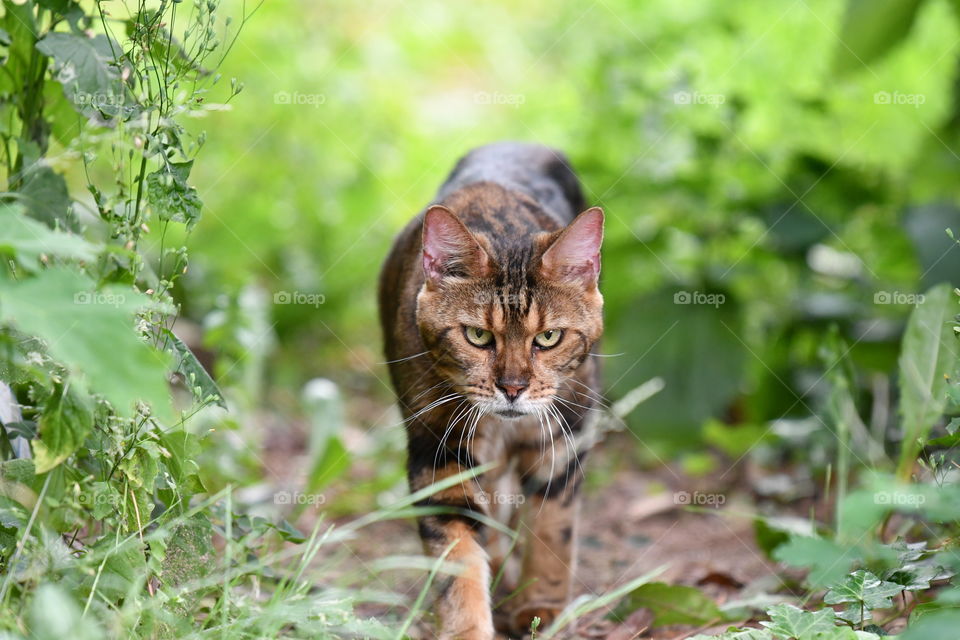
x=511 y=387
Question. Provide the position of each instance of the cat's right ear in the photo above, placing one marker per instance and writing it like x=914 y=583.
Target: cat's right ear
x=449 y=248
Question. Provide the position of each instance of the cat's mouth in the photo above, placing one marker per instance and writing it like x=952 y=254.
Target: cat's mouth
x=510 y=413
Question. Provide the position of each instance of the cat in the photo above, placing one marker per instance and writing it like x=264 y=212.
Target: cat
x=490 y=308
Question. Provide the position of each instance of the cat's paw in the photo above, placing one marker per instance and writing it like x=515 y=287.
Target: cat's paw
x=522 y=617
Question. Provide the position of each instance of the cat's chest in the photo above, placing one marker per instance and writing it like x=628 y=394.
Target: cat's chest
x=499 y=440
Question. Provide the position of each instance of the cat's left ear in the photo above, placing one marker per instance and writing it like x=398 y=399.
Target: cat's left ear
x=575 y=254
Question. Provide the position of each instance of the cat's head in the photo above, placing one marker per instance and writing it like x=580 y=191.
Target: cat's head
x=507 y=331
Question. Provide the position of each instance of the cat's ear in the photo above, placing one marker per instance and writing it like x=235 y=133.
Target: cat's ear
x=448 y=247
x=575 y=253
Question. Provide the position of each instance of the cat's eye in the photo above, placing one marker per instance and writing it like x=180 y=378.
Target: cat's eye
x=548 y=338
x=478 y=337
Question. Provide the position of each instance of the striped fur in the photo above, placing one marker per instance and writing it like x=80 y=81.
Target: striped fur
x=502 y=249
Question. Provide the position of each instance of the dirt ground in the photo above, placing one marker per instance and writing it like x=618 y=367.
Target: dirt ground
x=630 y=524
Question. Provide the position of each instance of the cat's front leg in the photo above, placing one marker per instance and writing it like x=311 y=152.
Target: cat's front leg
x=549 y=560
x=463 y=607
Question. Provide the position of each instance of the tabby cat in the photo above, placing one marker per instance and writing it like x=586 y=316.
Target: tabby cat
x=490 y=308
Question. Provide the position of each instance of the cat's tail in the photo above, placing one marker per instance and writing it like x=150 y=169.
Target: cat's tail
x=541 y=172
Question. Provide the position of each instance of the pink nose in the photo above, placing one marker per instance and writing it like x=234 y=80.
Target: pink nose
x=512 y=388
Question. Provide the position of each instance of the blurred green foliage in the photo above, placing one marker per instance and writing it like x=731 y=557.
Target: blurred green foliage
x=739 y=150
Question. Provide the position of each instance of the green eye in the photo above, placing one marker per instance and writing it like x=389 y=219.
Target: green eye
x=478 y=337
x=548 y=338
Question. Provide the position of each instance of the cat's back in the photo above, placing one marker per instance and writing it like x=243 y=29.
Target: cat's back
x=537 y=171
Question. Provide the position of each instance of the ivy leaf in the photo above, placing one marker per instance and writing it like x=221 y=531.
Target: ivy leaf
x=197 y=379
x=91 y=333
x=863 y=587
x=672 y=604
x=27 y=240
x=170 y=195
x=788 y=621
x=64 y=424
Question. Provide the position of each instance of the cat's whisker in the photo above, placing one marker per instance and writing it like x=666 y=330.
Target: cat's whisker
x=553 y=458
x=571 y=403
x=470 y=439
x=571 y=442
x=453 y=422
x=429 y=389
x=416 y=355
x=429 y=407
x=608 y=355
x=591 y=393
x=477 y=414
x=433 y=405
x=592 y=396
x=571 y=447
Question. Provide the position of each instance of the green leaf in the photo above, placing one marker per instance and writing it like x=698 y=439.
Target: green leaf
x=788 y=621
x=929 y=351
x=190 y=555
x=44 y=193
x=864 y=592
x=914 y=578
x=828 y=562
x=27 y=240
x=64 y=424
x=170 y=195
x=67 y=622
x=184 y=473
x=671 y=604
x=86 y=69
x=953 y=425
x=673 y=336
x=91 y=333
x=863 y=587
x=197 y=379
x=20 y=470
x=334 y=461
x=737 y=634
x=870 y=29
x=939 y=624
